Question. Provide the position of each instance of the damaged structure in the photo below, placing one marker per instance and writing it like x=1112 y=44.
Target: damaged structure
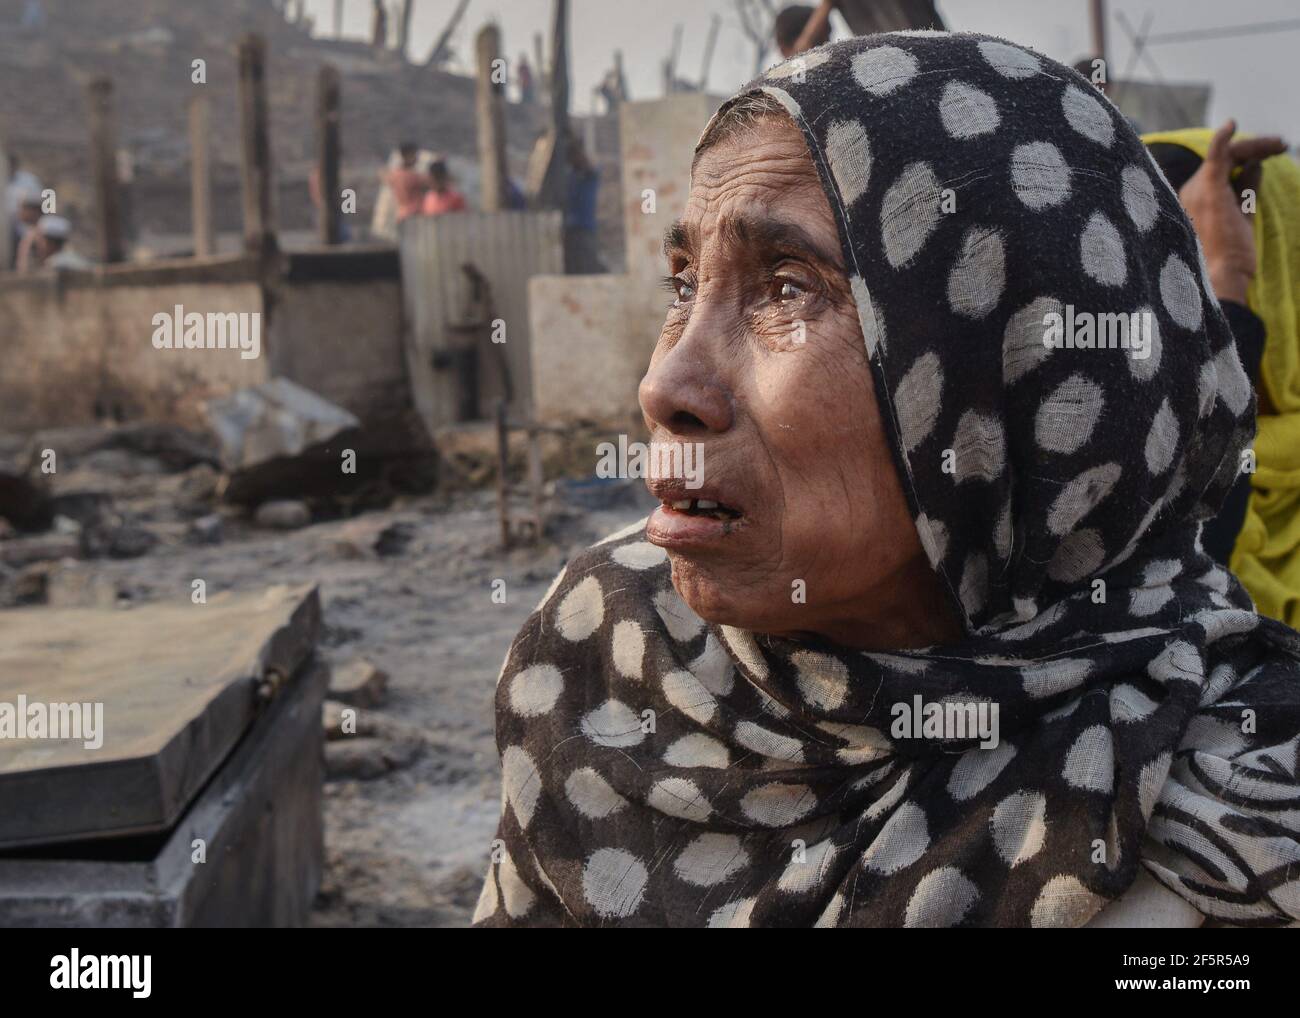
x=197 y=803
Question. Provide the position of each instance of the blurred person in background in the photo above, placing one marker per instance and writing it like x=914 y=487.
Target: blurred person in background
x=442 y=196
x=23 y=220
x=1253 y=260
x=516 y=200
x=33 y=17
x=407 y=184
x=800 y=27
x=581 y=249
x=21 y=184
x=524 y=76
x=613 y=86
x=22 y=204
x=46 y=247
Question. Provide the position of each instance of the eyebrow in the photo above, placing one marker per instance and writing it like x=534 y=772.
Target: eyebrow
x=751 y=231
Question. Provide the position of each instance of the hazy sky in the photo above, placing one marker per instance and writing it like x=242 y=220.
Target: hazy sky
x=1254 y=76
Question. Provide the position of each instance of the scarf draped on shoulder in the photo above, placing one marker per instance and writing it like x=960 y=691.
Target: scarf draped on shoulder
x=658 y=770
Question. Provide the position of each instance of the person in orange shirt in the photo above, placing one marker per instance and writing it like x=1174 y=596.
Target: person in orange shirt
x=441 y=196
x=407 y=183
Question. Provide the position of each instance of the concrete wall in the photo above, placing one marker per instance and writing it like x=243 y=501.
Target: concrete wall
x=336 y=328
x=658 y=143
x=77 y=346
x=592 y=340
x=592 y=336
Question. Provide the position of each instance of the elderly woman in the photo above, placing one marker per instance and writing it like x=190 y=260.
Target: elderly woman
x=935 y=642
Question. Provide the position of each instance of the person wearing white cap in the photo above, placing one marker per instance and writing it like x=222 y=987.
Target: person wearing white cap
x=46 y=247
x=22 y=185
x=24 y=213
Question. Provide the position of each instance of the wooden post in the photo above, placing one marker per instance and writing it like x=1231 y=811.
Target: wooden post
x=6 y=228
x=491 y=114
x=539 y=63
x=103 y=164
x=259 y=228
x=560 y=68
x=548 y=172
x=404 y=26
x=200 y=178
x=329 y=215
x=1097 y=17
x=670 y=67
x=535 y=479
x=503 y=479
x=441 y=47
x=708 y=52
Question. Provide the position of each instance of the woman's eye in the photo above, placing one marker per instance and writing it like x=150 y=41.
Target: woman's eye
x=685 y=291
x=788 y=290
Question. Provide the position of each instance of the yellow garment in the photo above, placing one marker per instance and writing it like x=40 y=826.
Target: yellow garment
x=1266 y=556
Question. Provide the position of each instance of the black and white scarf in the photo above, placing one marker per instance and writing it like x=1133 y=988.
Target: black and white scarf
x=661 y=771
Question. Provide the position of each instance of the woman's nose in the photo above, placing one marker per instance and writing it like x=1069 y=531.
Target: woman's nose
x=683 y=393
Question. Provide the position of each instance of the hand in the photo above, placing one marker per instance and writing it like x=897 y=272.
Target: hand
x=1213 y=200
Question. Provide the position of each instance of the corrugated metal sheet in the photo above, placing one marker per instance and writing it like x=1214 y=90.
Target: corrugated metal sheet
x=507 y=248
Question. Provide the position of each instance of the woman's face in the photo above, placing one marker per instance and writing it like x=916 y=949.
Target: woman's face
x=761 y=366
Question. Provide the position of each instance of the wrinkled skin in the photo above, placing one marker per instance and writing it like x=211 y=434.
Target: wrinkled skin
x=790 y=430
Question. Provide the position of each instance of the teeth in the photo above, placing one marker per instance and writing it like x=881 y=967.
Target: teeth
x=704 y=505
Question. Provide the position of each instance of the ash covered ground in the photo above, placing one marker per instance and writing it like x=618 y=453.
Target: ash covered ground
x=411 y=805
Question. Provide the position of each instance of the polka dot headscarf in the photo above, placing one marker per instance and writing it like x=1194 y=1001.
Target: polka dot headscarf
x=661 y=771
x=991 y=187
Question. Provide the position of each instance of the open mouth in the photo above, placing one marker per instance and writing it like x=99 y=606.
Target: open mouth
x=702 y=507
